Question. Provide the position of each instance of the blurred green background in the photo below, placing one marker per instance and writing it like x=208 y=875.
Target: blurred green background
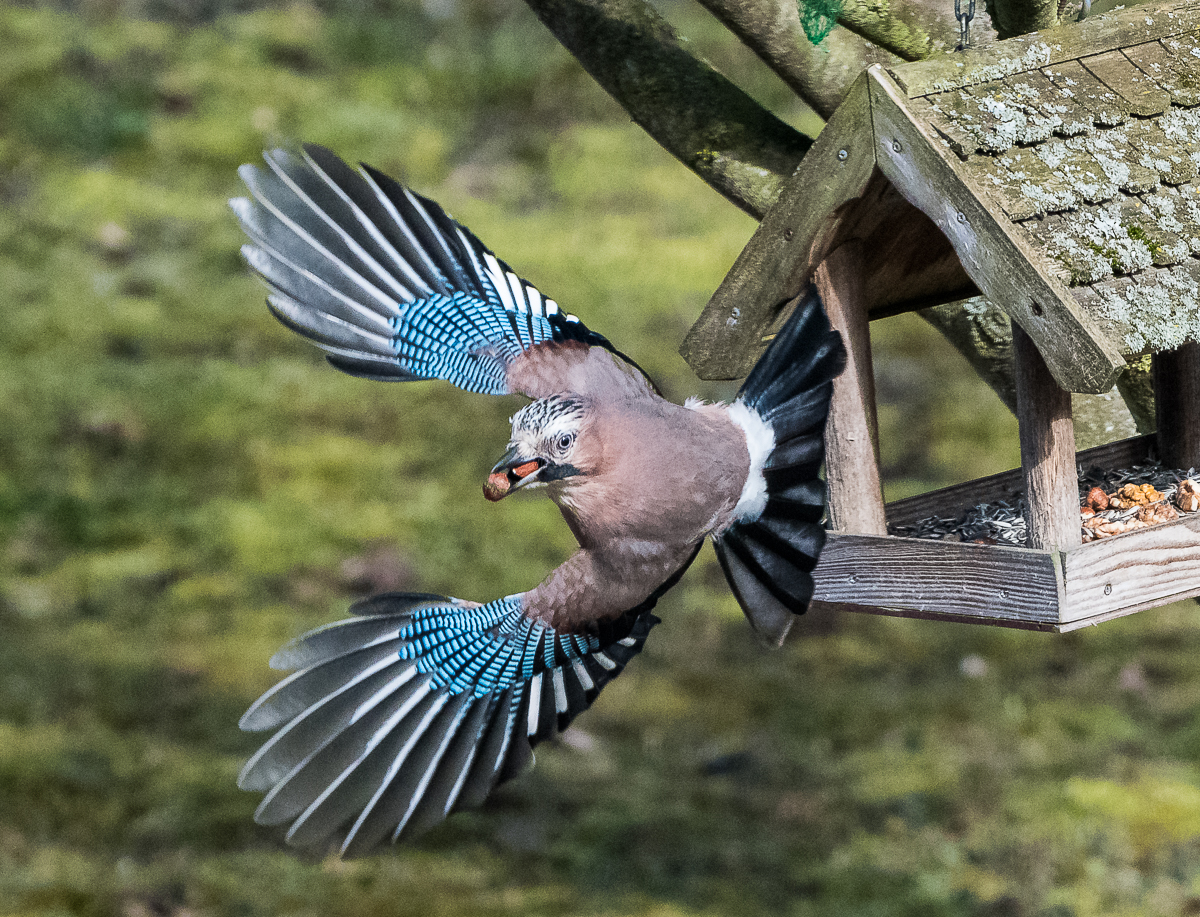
x=184 y=486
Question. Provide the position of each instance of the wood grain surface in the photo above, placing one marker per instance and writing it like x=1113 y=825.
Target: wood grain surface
x=1131 y=572
x=1047 y=450
x=916 y=577
x=851 y=432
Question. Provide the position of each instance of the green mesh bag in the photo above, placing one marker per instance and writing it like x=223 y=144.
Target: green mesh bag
x=818 y=17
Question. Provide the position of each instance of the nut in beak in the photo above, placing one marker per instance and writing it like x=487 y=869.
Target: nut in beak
x=508 y=475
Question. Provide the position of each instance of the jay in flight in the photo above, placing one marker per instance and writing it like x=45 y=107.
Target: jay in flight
x=420 y=704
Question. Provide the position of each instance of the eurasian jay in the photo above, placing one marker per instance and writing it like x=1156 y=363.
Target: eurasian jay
x=420 y=704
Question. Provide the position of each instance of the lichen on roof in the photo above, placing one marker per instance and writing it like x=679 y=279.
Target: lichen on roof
x=1160 y=308
x=1091 y=146
x=1036 y=55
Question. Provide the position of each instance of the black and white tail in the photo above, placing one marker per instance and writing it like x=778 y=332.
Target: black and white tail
x=768 y=555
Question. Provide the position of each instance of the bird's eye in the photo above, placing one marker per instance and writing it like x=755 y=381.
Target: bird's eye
x=564 y=442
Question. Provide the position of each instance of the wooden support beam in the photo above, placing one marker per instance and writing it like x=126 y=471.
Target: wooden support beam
x=851 y=433
x=1177 y=405
x=1047 y=450
x=912 y=577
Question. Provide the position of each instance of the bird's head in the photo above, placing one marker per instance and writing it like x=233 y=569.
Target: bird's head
x=545 y=437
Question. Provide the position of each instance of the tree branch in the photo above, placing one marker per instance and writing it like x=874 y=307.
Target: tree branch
x=1137 y=388
x=982 y=334
x=875 y=21
x=771 y=29
x=716 y=130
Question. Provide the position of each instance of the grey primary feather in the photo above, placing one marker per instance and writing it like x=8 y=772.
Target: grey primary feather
x=319 y=774
x=333 y=640
x=312 y=705
x=363 y=759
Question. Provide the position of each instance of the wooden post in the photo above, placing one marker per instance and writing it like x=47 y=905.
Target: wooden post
x=851 y=433
x=1177 y=405
x=1047 y=450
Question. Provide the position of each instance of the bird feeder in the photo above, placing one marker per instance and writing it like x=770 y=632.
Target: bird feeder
x=1056 y=175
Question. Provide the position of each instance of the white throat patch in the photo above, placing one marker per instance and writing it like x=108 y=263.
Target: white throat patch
x=760 y=442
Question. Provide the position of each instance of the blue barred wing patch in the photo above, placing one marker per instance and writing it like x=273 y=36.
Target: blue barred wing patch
x=384 y=281
x=414 y=708
x=485 y=649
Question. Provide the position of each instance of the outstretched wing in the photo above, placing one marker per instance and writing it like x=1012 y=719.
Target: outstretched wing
x=392 y=288
x=417 y=707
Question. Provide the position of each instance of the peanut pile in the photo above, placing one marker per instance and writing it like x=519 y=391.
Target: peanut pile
x=1134 y=506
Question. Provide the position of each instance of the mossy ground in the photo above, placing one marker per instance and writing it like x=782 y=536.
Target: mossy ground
x=184 y=486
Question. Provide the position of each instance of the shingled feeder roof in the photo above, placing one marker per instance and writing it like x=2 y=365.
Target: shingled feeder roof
x=1059 y=170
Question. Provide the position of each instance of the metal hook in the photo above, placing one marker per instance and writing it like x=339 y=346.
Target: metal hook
x=964 y=23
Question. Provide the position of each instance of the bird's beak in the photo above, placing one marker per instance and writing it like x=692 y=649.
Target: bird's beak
x=512 y=472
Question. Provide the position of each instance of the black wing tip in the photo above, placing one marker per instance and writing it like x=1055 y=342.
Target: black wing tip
x=768 y=561
x=768 y=617
x=806 y=352
x=320 y=154
x=769 y=564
